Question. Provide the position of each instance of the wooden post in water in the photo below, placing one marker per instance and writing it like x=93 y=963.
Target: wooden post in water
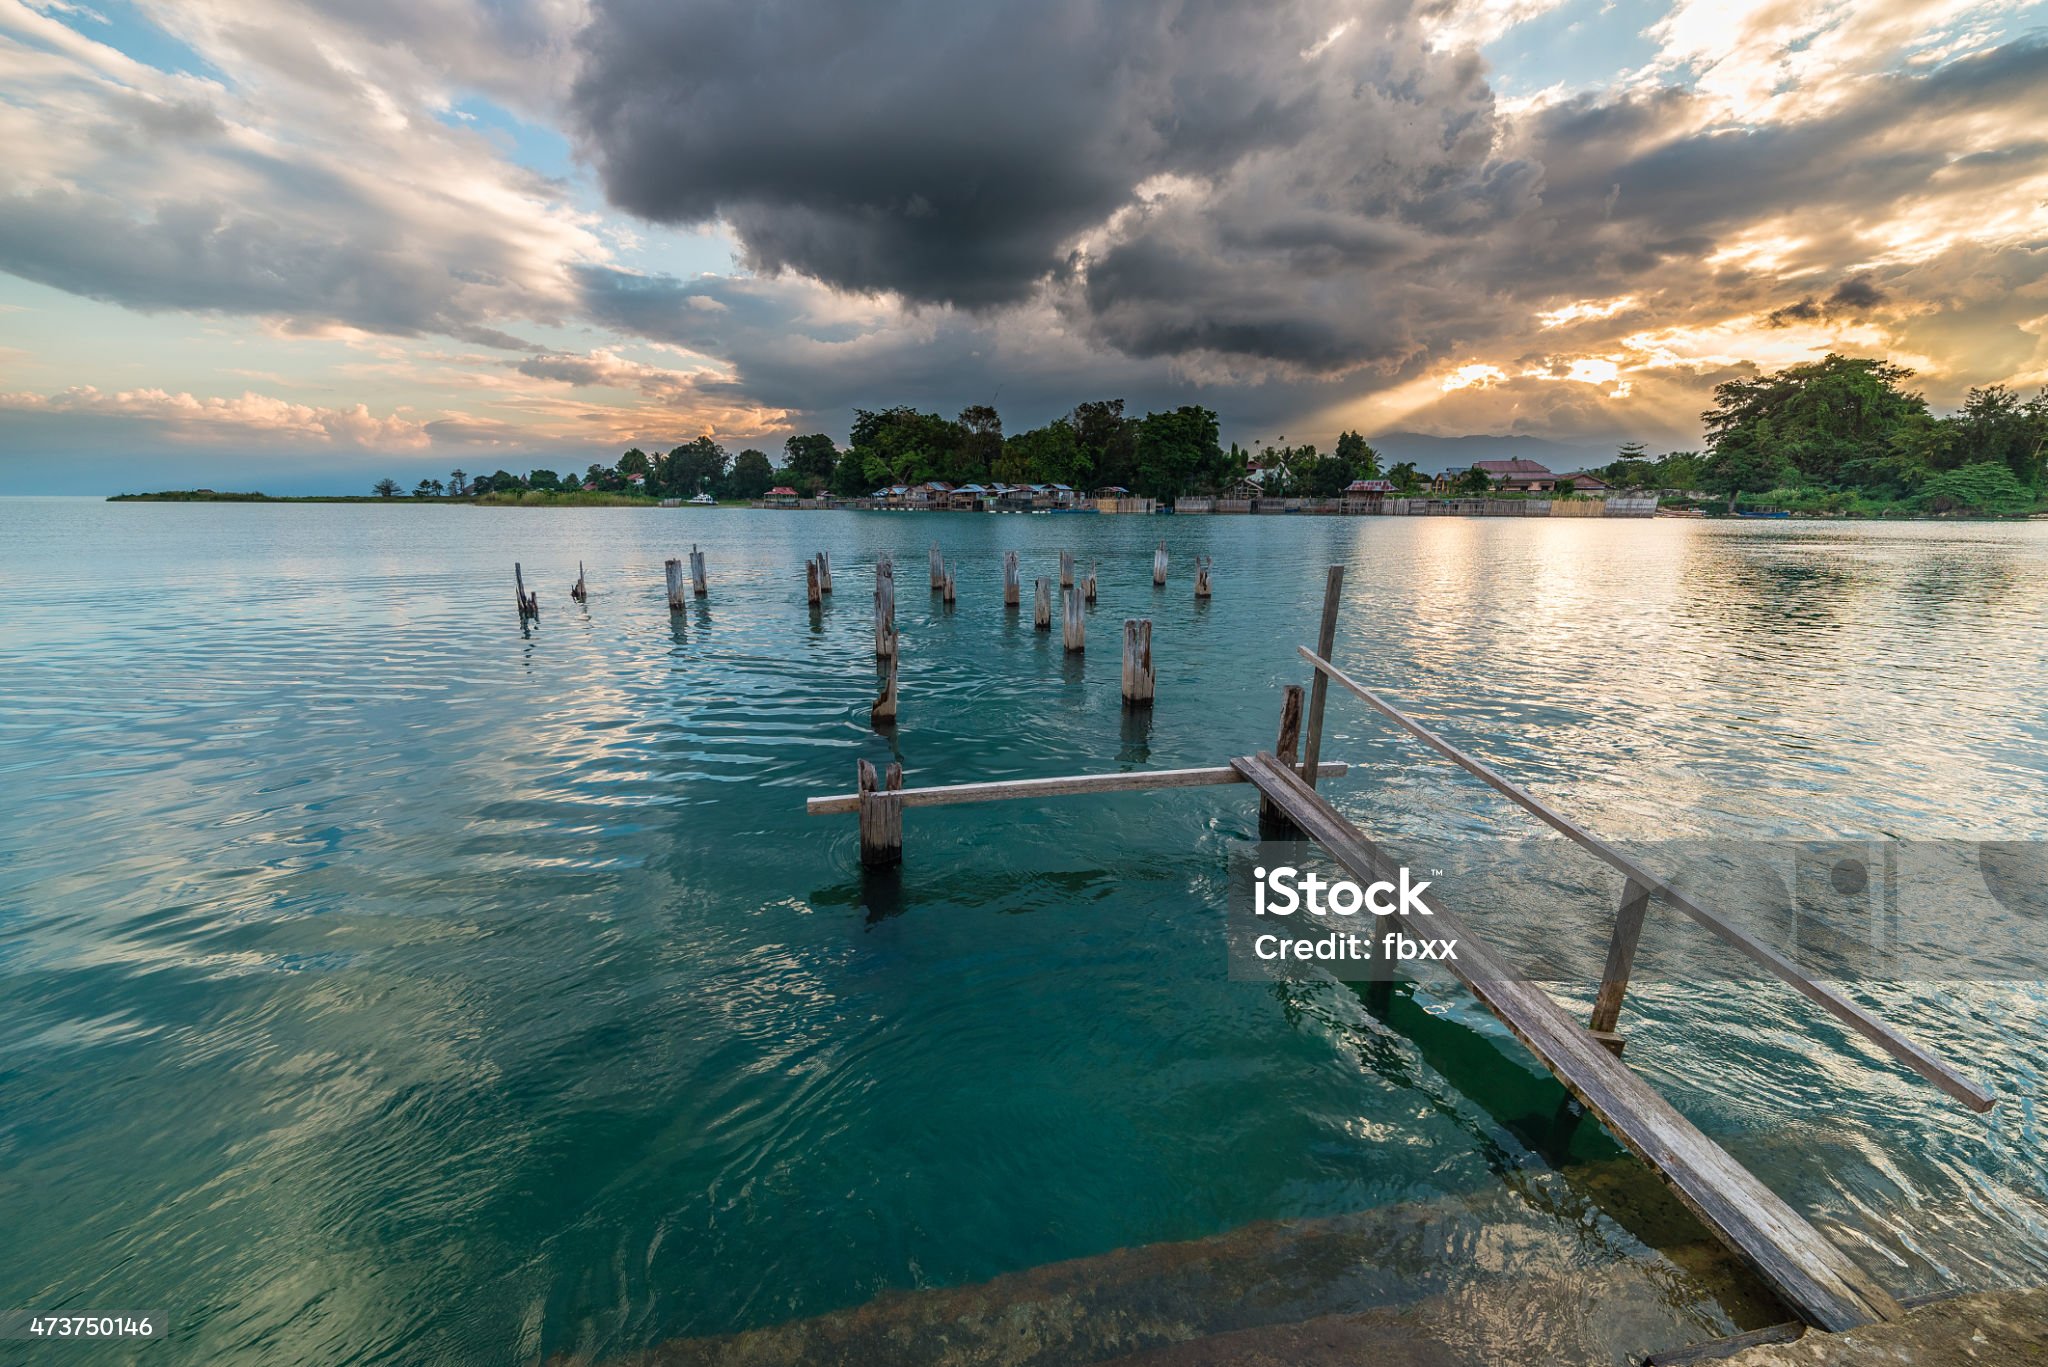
x=938 y=568
x=1137 y=662
x=811 y=583
x=529 y=603
x=1159 y=566
x=884 y=709
x=947 y=592
x=1621 y=958
x=1066 y=569
x=1326 y=641
x=885 y=609
x=1010 y=579
x=881 y=817
x=673 y=568
x=697 y=572
x=1041 y=605
x=1088 y=587
x=1202 y=563
x=824 y=572
x=579 y=593
x=1275 y=824
x=1073 y=628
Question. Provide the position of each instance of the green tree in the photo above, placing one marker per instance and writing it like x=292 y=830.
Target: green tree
x=901 y=445
x=1405 y=477
x=980 y=445
x=635 y=462
x=385 y=488
x=1107 y=441
x=810 y=461
x=1178 y=452
x=1472 y=483
x=543 y=479
x=752 y=476
x=1044 y=455
x=458 y=483
x=691 y=469
x=1811 y=419
x=1984 y=487
x=1358 y=454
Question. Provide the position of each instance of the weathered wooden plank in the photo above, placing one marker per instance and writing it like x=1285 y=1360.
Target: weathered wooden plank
x=1863 y=1022
x=1326 y=641
x=824 y=572
x=1137 y=780
x=1813 y=1277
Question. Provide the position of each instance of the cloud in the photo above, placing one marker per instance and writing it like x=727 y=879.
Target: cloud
x=317 y=185
x=250 y=417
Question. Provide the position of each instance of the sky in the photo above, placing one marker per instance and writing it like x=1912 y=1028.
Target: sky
x=298 y=245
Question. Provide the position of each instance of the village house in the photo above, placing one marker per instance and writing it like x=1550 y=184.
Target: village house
x=782 y=496
x=1367 y=490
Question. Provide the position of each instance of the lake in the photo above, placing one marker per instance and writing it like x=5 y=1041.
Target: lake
x=382 y=983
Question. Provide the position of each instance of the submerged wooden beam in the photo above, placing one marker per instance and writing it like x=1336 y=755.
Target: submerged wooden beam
x=1813 y=1277
x=1137 y=780
x=1970 y=1093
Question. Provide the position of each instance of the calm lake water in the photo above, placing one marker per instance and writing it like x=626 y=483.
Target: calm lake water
x=381 y=984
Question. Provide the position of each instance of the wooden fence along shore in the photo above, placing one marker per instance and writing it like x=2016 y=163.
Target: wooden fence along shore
x=1813 y=1277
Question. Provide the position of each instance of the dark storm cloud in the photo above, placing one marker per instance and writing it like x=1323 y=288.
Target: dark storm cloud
x=943 y=151
x=1239 y=188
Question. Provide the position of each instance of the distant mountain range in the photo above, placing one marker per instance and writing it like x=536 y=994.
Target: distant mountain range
x=1432 y=454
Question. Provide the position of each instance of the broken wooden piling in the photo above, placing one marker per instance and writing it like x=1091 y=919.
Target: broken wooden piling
x=1088 y=585
x=529 y=603
x=1138 y=676
x=946 y=592
x=1041 y=604
x=1010 y=585
x=811 y=591
x=1073 y=628
x=1159 y=566
x=824 y=572
x=579 y=593
x=884 y=709
x=1066 y=569
x=1202 y=563
x=673 y=568
x=697 y=578
x=938 y=568
x=881 y=816
x=885 y=609
x=1274 y=823
x=1318 y=687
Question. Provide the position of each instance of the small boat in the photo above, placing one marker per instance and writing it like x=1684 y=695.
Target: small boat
x=703 y=500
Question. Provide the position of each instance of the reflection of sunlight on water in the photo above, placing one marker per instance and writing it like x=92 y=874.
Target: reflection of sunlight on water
x=351 y=938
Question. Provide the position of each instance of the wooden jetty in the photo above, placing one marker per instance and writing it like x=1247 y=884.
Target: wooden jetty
x=1811 y=1275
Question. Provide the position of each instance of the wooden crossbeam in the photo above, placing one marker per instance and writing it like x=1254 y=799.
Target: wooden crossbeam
x=1135 y=780
x=1813 y=1277
x=1936 y=1071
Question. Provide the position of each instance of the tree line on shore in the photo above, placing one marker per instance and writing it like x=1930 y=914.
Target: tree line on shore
x=1841 y=434
x=1844 y=435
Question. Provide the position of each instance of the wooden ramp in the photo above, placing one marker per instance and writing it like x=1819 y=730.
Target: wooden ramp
x=1813 y=1276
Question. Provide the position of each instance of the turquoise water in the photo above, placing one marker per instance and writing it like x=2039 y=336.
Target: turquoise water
x=381 y=984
